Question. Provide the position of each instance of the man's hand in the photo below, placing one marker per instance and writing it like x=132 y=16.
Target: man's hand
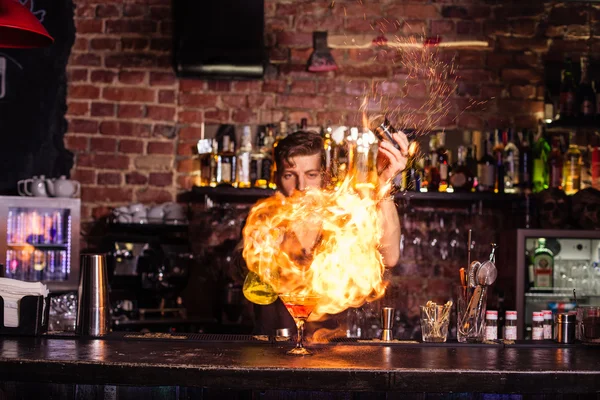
x=391 y=161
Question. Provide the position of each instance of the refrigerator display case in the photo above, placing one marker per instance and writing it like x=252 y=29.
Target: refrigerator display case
x=575 y=258
x=39 y=240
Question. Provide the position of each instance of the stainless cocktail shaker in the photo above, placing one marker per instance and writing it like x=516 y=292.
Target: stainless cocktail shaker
x=93 y=313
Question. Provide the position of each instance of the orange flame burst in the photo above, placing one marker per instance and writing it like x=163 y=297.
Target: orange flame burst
x=320 y=242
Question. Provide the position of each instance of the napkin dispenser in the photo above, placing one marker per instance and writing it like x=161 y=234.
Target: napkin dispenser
x=33 y=316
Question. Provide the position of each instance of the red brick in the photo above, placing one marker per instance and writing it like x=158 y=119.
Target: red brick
x=166 y=28
x=524 y=27
x=166 y=96
x=77 y=108
x=86 y=59
x=161 y=178
x=101 y=212
x=407 y=11
x=568 y=15
x=190 y=117
x=301 y=101
x=103 y=109
x=108 y=10
x=190 y=132
x=134 y=10
x=259 y=100
x=85 y=10
x=345 y=103
x=84 y=176
x=158 y=196
x=76 y=143
x=186 y=182
x=523 y=92
x=331 y=117
x=357 y=87
x=234 y=101
x=109 y=178
x=83 y=126
x=83 y=26
x=297 y=116
x=197 y=100
x=216 y=116
x=103 y=76
x=273 y=86
x=294 y=39
x=188 y=165
x=187 y=149
x=520 y=106
x=414 y=27
x=498 y=28
x=93 y=194
x=521 y=75
x=188 y=85
x=135 y=178
x=247 y=86
x=131 y=60
x=468 y=28
x=81 y=44
x=518 y=10
x=470 y=121
x=134 y=43
x=129 y=94
x=162 y=79
x=442 y=27
x=104 y=44
x=475 y=75
x=158 y=113
x=415 y=89
x=117 y=128
x=467 y=89
x=111 y=161
x=160 y=148
x=365 y=71
x=160 y=13
x=131 y=111
x=77 y=75
x=167 y=131
x=474 y=105
x=219 y=86
x=523 y=44
x=103 y=144
x=407 y=104
x=305 y=87
x=132 y=77
x=161 y=44
x=311 y=23
x=244 y=116
x=131 y=146
x=491 y=91
x=130 y=26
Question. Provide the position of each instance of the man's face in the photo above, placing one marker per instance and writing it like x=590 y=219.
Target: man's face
x=304 y=173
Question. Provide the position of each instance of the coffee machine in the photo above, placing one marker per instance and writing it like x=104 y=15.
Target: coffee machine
x=148 y=267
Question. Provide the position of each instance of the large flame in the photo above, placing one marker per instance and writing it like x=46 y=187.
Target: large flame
x=323 y=242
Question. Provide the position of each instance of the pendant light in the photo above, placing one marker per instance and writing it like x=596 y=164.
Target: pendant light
x=19 y=28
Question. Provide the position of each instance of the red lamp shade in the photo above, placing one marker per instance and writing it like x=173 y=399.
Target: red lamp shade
x=19 y=28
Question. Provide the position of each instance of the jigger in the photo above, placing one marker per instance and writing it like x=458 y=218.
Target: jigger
x=93 y=309
x=387 y=321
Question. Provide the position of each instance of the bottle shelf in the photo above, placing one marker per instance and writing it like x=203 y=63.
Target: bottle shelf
x=574 y=124
x=40 y=246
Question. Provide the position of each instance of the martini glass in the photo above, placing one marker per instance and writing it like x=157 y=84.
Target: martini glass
x=299 y=306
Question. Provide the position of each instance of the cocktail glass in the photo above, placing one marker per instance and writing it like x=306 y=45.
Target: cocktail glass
x=299 y=306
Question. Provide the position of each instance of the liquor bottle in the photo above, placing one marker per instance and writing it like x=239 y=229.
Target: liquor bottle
x=411 y=176
x=433 y=178
x=461 y=177
x=486 y=174
x=572 y=168
x=242 y=178
x=471 y=162
x=586 y=95
x=330 y=161
x=303 y=124
x=498 y=151
x=541 y=149
x=555 y=165
x=282 y=132
x=511 y=162
x=548 y=107
x=568 y=93
x=226 y=162
x=442 y=161
x=543 y=266
x=525 y=162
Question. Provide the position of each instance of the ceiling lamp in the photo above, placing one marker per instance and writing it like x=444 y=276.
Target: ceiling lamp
x=321 y=59
x=19 y=28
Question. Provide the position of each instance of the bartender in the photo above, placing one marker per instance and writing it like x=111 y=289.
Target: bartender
x=300 y=162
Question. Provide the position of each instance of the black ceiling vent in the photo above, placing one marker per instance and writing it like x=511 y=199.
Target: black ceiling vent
x=219 y=39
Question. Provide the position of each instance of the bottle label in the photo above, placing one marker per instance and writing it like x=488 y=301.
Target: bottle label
x=444 y=172
x=555 y=176
x=486 y=175
x=547 y=331
x=510 y=332
x=538 y=333
x=491 y=332
x=226 y=172
x=587 y=107
x=458 y=180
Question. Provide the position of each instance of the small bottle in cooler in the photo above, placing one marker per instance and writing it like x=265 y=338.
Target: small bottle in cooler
x=538 y=326
x=510 y=325
x=57 y=227
x=491 y=325
x=547 y=324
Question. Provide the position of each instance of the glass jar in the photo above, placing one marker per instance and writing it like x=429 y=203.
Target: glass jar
x=547 y=324
x=538 y=326
x=510 y=325
x=491 y=325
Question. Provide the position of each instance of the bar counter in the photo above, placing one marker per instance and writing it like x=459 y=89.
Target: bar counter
x=258 y=365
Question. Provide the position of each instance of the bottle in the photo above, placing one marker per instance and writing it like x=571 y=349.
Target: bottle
x=434 y=174
x=243 y=160
x=486 y=174
x=511 y=162
x=330 y=161
x=547 y=324
x=525 y=162
x=411 y=174
x=568 y=93
x=282 y=132
x=538 y=326
x=442 y=161
x=498 y=150
x=548 y=107
x=586 y=95
x=572 y=168
x=595 y=167
x=491 y=325
x=541 y=150
x=555 y=165
x=543 y=266
x=471 y=162
x=461 y=178
x=510 y=326
x=226 y=162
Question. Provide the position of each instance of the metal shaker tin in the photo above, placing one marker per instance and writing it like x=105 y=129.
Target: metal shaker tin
x=564 y=330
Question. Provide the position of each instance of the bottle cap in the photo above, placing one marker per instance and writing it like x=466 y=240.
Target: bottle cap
x=512 y=315
x=538 y=316
x=490 y=314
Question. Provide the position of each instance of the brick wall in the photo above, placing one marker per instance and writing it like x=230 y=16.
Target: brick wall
x=133 y=125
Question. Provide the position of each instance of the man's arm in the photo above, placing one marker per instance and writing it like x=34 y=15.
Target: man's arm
x=390 y=241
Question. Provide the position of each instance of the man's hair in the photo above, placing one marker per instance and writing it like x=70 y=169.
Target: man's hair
x=299 y=143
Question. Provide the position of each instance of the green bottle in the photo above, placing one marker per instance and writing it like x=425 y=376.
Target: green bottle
x=541 y=150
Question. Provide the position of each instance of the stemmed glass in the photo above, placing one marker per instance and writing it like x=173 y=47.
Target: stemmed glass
x=300 y=306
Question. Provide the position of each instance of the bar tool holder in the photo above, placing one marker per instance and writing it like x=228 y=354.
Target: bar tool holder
x=33 y=316
x=387 y=322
